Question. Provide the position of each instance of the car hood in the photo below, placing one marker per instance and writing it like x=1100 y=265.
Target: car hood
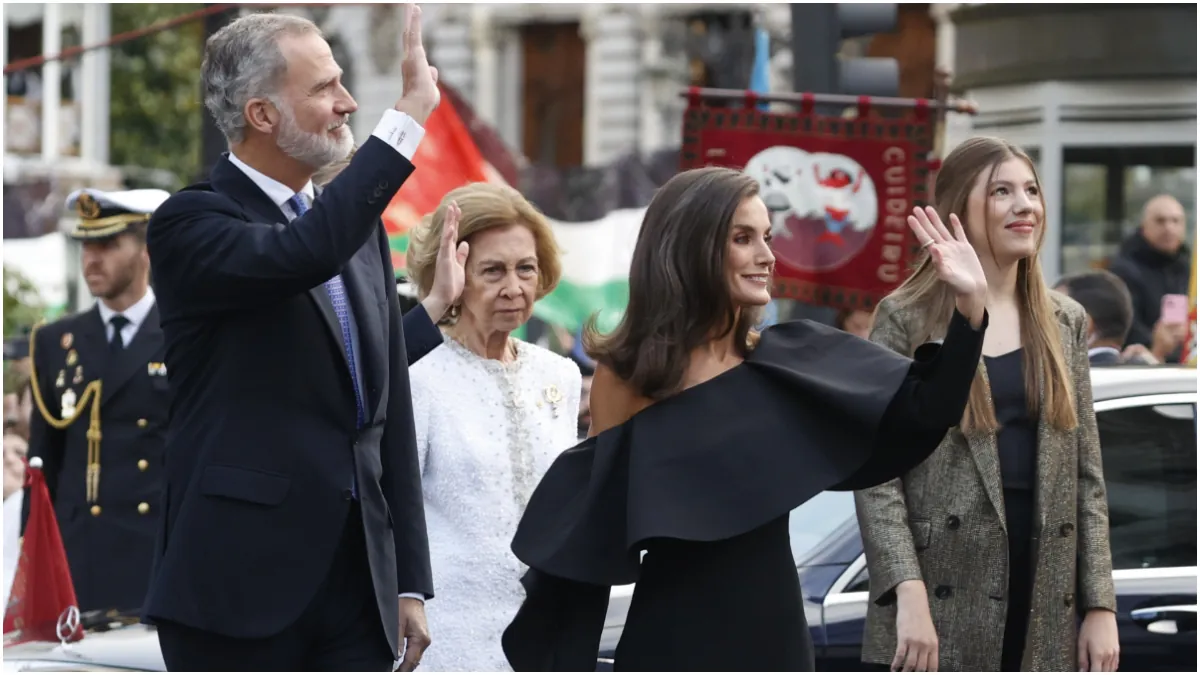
x=133 y=647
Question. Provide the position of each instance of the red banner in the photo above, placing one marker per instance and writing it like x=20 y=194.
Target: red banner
x=839 y=191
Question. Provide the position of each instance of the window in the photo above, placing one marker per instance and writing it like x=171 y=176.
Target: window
x=812 y=522
x=861 y=583
x=1150 y=471
x=1104 y=190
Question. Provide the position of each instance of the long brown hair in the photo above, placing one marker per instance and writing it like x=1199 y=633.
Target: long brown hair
x=679 y=296
x=1040 y=333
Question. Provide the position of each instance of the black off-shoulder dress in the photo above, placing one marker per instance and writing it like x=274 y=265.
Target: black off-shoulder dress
x=704 y=481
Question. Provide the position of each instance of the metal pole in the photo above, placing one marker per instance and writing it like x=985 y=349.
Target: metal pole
x=840 y=100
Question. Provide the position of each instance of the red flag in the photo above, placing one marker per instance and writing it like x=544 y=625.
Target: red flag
x=42 y=591
x=450 y=159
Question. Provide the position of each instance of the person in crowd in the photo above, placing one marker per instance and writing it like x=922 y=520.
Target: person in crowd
x=985 y=555
x=491 y=413
x=706 y=434
x=854 y=321
x=1110 y=316
x=15 y=452
x=99 y=392
x=293 y=530
x=1155 y=261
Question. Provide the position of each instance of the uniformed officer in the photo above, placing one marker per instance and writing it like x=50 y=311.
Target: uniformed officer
x=101 y=405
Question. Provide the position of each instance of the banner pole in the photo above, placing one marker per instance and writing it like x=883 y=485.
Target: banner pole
x=955 y=105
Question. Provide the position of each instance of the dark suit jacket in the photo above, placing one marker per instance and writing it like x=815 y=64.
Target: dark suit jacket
x=263 y=440
x=108 y=535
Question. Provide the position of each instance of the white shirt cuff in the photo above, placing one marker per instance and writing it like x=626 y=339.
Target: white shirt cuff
x=400 y=131
x=414 y=596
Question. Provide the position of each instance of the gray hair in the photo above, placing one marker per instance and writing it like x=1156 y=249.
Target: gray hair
x=243 y=61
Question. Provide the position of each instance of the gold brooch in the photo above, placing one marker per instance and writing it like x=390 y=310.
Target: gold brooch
x=553 y=397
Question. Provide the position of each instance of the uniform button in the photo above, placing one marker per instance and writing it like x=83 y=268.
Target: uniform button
x=143 y=423
x=943 y=592
x=143 y=508
x=347 y=495
x=953 y=522
x=95 y=509
x=1066 y=529
x=143 y=465
x=1069 y=599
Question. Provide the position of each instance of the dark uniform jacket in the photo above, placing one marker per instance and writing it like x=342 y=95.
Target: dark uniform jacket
x=109 y=522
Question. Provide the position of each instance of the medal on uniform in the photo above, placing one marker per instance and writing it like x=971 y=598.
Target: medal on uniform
x=67 y=340
x=78 y=375
x=72 y=357
x=61 y=380
x=68 y=403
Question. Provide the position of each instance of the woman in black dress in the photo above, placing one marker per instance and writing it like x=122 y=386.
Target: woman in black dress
x=987 y=555
x=705 y=435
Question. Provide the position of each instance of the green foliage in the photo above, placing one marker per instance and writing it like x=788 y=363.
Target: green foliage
x=23 y=307
x=156 y=109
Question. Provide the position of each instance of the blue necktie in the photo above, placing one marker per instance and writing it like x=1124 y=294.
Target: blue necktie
x=341 y=306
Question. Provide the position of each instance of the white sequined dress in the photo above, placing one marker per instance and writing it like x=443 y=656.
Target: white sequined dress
x=486 y=432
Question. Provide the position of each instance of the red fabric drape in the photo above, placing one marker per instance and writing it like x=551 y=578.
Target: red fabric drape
x=42 y=590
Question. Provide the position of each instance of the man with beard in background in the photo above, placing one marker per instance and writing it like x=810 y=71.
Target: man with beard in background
x=100 y=406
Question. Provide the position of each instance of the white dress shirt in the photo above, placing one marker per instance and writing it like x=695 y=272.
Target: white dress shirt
x=136 y=313
x=397 y=129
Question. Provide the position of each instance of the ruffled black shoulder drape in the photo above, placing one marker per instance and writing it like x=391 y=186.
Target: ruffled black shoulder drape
x=811 y=409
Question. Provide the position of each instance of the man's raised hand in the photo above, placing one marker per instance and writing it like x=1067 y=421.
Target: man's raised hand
x=421 y=94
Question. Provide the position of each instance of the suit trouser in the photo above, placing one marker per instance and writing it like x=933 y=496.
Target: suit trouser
x=340 y=630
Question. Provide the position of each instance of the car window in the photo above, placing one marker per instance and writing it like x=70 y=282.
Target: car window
x=817 y=518
x=861 y=583
x=1150 y=471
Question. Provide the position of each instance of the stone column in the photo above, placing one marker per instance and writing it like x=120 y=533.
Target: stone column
x=449 y=43
x=611 y=88
x=651 y=132
x=51 y=80
x=486 y=62
x=95 y=87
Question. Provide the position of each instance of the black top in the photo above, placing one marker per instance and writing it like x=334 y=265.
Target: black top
x=811 y=409
x=1018 y=436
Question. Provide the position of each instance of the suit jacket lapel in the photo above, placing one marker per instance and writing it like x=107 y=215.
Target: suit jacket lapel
x=91 y=347
x=230 y=180
x=360 y=276
x=137 y=354
x=987 y=457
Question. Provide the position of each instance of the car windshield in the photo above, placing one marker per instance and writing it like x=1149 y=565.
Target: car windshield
x=817 y=518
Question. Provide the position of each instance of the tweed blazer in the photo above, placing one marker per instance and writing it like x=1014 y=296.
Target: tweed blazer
x=943 y=523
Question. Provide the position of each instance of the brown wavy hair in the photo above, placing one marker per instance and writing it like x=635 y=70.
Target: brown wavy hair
x=679 y=296
x=1040 y=332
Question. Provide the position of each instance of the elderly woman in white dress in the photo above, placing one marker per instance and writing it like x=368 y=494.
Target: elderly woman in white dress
x=491 y=412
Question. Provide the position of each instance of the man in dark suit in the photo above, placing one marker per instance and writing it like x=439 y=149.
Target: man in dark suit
x=100 y=406
x=293 y=536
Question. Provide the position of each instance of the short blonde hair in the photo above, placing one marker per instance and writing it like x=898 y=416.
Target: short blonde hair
x=484 y=206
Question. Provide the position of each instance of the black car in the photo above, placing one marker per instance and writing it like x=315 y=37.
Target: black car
x=1147 y=423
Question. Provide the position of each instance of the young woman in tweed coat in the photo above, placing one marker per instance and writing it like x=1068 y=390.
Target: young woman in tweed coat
x=984 y=557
